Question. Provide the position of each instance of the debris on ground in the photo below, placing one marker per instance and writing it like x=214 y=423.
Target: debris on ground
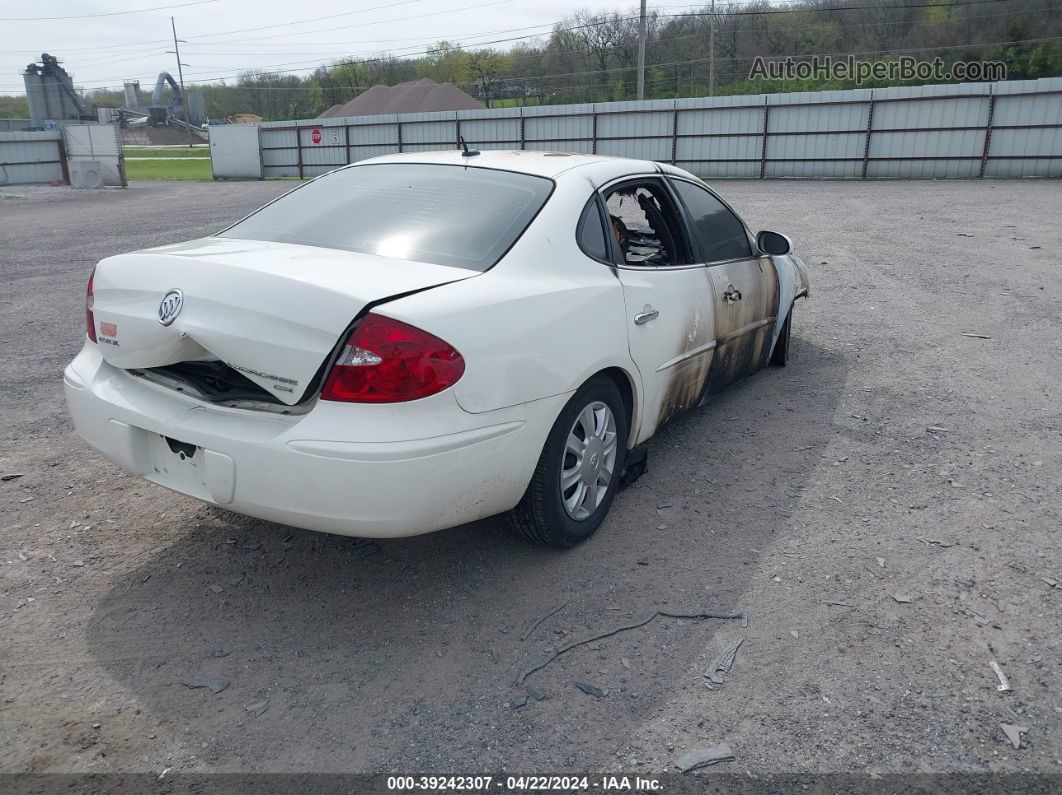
x=517 y=702
x=590 y=690
x=903 y=598
x=616 y=630
x=216 y=588
x=11 y=476
x=536 y=693
x=702 y=757
x=222 y=652
x=1050 y=581
x=1004 y=683
x=537 y=623
x=258 y=707
x=1013 y=733
x=214 y=685
x=722 y=664
x=975 y=336
x=935 y=542
x=936 y=429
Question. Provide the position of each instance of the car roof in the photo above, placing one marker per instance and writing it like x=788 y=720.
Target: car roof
x=542 y=164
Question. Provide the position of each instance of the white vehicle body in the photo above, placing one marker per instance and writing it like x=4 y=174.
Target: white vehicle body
x=531 y=329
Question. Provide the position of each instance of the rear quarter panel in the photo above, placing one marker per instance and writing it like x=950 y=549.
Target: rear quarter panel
x=539 y=323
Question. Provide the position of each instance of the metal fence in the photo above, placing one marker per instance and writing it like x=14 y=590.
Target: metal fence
x=1004 y=129
x=28 y=157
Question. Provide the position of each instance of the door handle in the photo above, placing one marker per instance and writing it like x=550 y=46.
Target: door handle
x=731 y=294
x=647 y=314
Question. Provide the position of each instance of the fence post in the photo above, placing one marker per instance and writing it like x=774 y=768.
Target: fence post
x=523 y=138
x=674 y=135
x=763 y=150
x=988 y=133
x=870 y=131
x=398 y=133
x=457 y=128
x=65 y=166
x=298 y=143
x=593 y=132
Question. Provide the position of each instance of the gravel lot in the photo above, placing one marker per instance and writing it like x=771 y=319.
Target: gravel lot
x=895 y=459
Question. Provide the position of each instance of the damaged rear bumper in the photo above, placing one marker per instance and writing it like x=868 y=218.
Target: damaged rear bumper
x=353 y=469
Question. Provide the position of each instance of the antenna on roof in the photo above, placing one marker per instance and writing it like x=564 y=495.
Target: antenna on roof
x=466 y=151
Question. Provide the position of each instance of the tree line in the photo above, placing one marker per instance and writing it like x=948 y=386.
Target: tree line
x=592 y=56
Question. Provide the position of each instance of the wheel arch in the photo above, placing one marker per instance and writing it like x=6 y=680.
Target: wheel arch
x=626 y=385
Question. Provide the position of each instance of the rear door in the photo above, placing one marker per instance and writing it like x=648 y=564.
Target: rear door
x=668 y=297
x=744 y=286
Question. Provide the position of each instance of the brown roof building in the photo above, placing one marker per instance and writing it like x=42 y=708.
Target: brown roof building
x=416 y=96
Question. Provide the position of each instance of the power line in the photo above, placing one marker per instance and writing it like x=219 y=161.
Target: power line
x=318 y=63
x=107 y=14
x=560 y=75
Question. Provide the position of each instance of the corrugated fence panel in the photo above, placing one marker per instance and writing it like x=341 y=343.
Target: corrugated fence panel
x=719 y=121
x=918 y=131
x=365 y=152
x=559 y=129
x=743 y=147
x=373 y=134
x=443 y=134
x=815 y=118
x=637 y=148
x=30 y=157
x=815 y=147
x=964 y=112
x=928 y=145
x=481 y=132
x=634 y=125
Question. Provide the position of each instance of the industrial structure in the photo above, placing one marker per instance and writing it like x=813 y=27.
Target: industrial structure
x=159 y=112
x=51 y=95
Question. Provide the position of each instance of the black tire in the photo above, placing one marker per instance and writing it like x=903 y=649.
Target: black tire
x=780 y=354
x=541 y=516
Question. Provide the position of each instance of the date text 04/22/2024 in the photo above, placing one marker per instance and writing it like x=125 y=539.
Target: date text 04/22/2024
x=613 y=783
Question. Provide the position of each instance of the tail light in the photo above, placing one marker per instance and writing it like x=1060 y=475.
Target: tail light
x=387 y=361
x=90 y=320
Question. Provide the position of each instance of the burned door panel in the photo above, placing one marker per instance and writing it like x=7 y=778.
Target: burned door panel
x=746 y=299
x=673 y=349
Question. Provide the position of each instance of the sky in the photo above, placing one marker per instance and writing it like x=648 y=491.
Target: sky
x=226 y=36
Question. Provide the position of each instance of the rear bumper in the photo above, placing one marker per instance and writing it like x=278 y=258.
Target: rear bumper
x=372 y=471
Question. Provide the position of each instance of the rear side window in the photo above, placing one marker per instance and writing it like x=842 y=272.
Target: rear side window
x=591 y=233
x=722 y=234
x=459 y=216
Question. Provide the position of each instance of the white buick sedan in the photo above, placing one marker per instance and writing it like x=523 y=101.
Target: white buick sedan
x=421 y=340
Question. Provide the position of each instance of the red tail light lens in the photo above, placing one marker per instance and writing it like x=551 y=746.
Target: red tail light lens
x=387 y=361
x=90 y=320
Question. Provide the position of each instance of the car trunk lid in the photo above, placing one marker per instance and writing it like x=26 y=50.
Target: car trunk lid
x=271 y=311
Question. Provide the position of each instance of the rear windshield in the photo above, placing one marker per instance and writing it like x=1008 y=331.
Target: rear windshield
x=446 y=215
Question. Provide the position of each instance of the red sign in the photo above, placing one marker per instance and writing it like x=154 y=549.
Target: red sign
x=315 y=136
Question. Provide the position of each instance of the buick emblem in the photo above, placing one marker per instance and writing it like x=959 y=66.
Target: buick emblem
x=170 y=307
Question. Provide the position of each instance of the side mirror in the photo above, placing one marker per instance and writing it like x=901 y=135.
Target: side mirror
x=773 y=243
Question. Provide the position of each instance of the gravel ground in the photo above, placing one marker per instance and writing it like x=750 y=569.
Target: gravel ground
x=885 y=511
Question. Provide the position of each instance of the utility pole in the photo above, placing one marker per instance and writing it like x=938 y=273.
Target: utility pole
x=711 y=54
x=180 y=75
x=641 y=53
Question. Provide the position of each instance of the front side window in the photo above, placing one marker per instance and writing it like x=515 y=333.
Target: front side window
x=460 y=216
x=721 y=232
x=646 y=225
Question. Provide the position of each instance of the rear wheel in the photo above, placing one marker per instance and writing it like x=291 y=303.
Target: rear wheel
x=579 y=470
x=780 y=355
